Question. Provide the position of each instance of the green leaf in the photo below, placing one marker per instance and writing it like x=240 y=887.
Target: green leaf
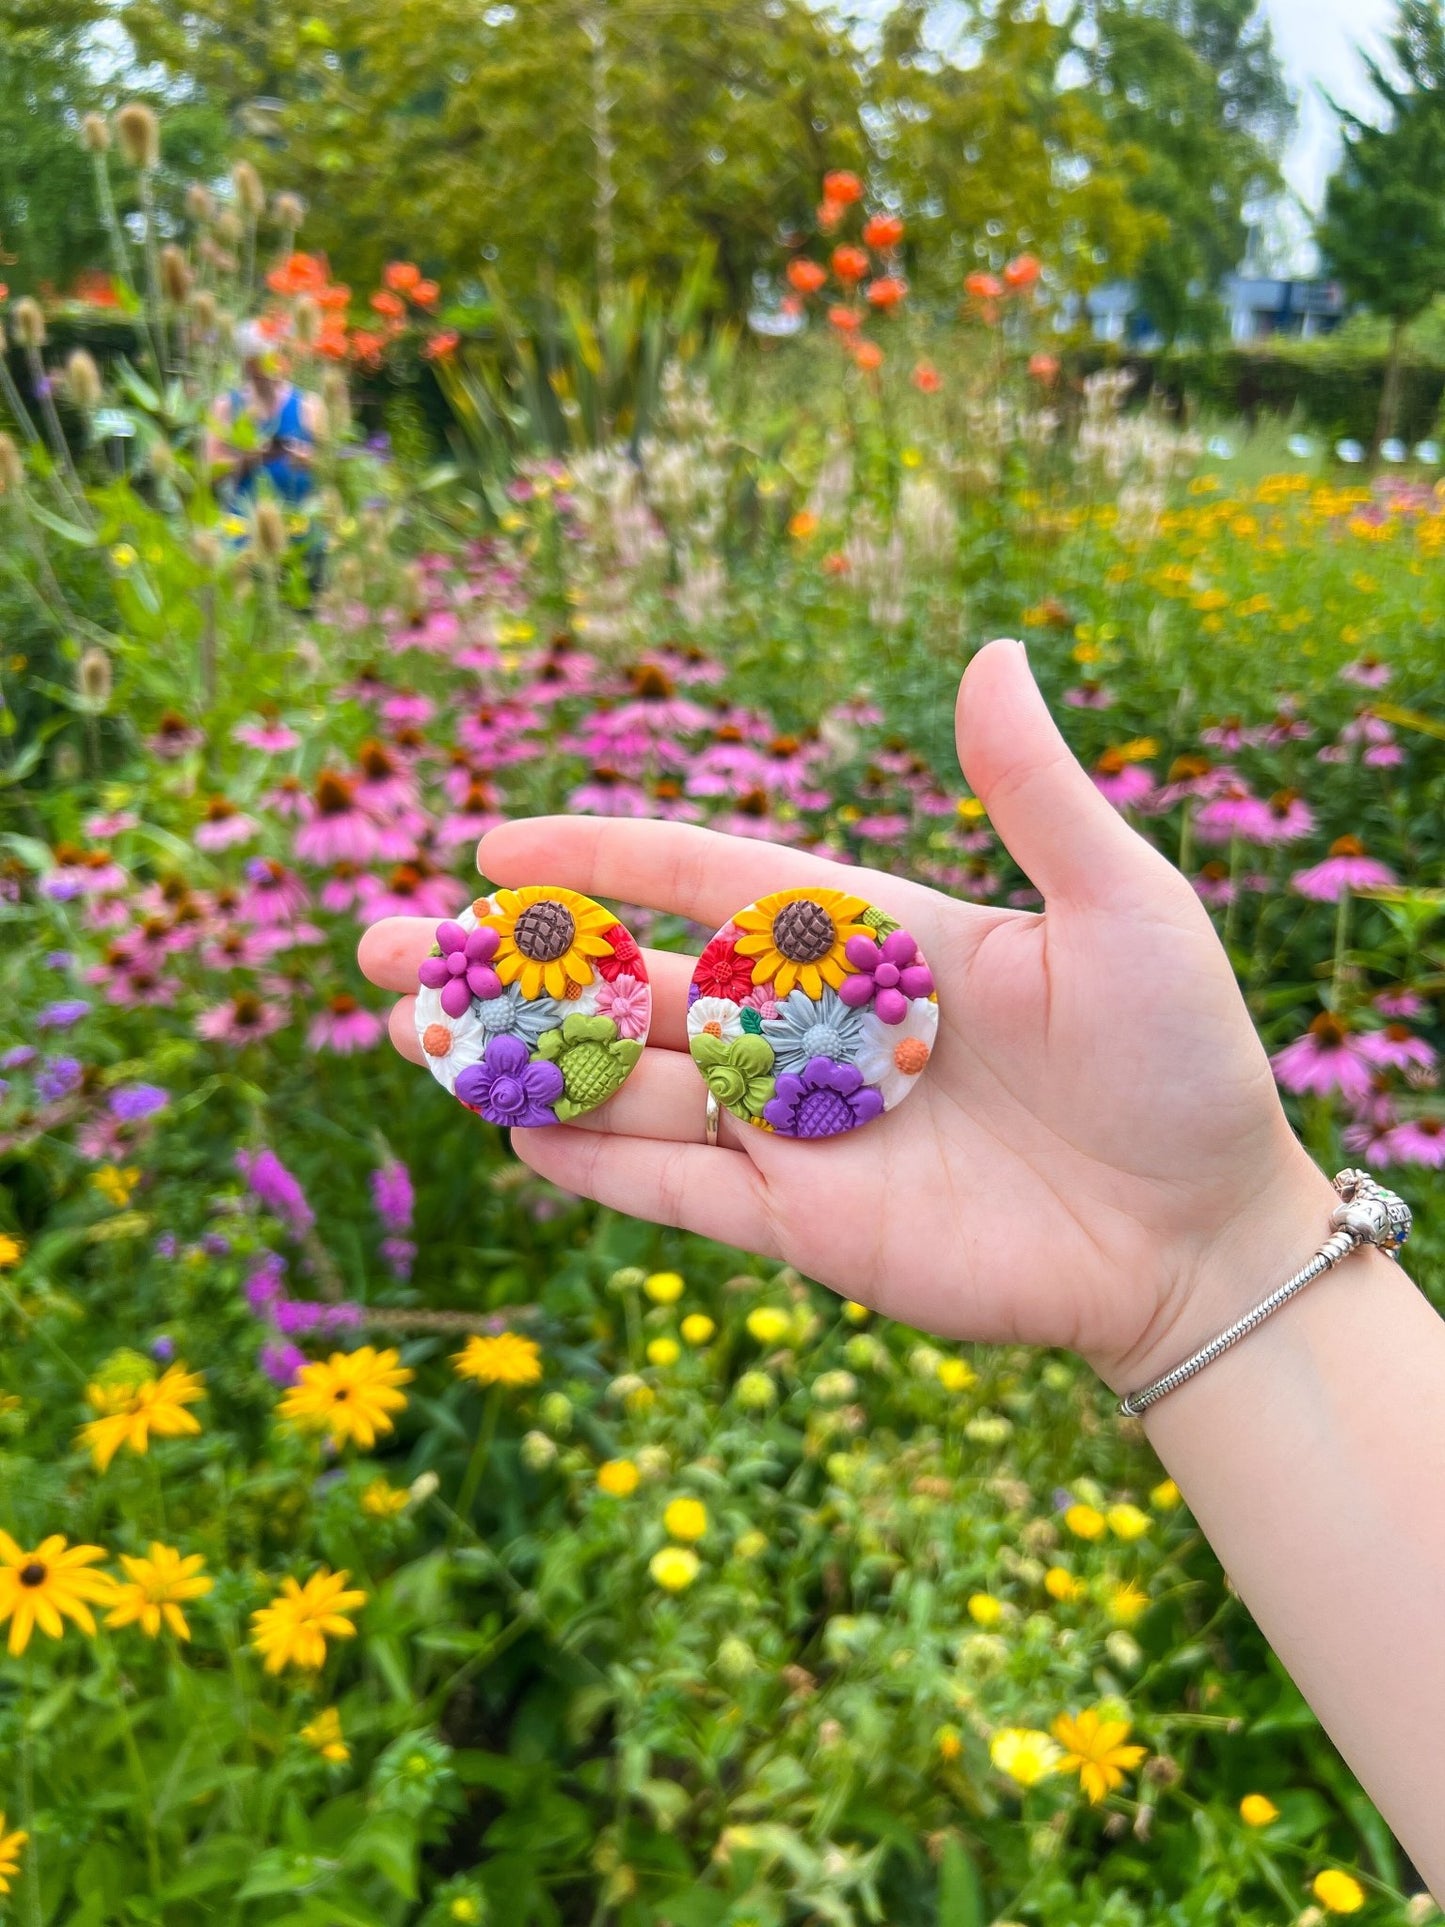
x=960 y=1892
x=60 y=525
x=388 y=1843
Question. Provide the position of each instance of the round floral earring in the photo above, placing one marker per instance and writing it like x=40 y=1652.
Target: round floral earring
x=811 y=1013
x=534 y=1006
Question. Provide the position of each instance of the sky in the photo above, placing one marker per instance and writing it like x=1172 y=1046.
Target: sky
x=1317 y=42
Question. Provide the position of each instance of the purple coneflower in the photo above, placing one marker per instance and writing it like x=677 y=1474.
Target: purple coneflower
x=242 y=1019
x=1326 y=1059
x=1419 y=1140
x=275 y=895
x=1396 y=1049
x=339 y=829
x=270 y=737
x=224 y=826
x=345 y=1026
x=1345 y=868
x=1367 y=673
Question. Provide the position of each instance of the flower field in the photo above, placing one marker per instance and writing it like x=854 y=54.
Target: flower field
x=388 y=1537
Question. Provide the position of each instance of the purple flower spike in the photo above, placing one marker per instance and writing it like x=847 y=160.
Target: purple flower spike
x=463 y=970
x=825 y=1099
x=887 y=975
x=508 y=1088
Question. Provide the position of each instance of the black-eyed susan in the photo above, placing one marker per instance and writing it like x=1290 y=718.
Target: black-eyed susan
x=294 y=1628
x=11 y=1845
x=49 y=1585
x=504 y=1359
x=350 y=1396
x=155 y=1588
x=324 y=1736
x=1024 y=1754
x=383 y=1500
x=549 y=939
x=128 y=1414
x=12 y=1250
x=798 y=937
x=1096 y=1749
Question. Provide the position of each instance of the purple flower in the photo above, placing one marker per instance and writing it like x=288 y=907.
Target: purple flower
x=281 y=1363
x=505 y=1088
x=392 y=1195
x=58 y=960
x=58 y=1077
x=163 y=1348
x=215 y=1244
x=824 y=1100
x=266 y=1284
x=276 y=1189
x=400 y=1254
x=18 y=1057
x=886 y=975
x=463 y=970
x=294 y=1317
x=62 y=1014
x=167 y=1245
x=129 y=1103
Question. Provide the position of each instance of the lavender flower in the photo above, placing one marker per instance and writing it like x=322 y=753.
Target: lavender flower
x=18 y=1058
x=276 y=1190
x=400 y=1254
x=58 y=960
x=62 y=1014
x=281 y=1363
x=392 y=1194
x=129 y=1103
x=163 y=1348
x=266 y=1284
x=58 y=1077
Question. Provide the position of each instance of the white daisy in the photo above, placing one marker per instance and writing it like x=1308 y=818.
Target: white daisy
x=891 y=1056
x=449 y=1044
x=715 y=1017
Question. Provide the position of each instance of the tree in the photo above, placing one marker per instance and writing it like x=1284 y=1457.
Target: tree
x=1383 y=227
x=586 y=139
x=1196 y=88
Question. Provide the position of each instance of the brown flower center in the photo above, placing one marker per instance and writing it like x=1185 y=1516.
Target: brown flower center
x=1347 y=846
x=33 y=1575
x=803 y=931
x=544 y=931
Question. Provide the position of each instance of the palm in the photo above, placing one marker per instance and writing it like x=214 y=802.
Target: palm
x=1096 y=1103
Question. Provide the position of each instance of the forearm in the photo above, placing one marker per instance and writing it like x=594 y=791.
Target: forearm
x=1313 y=1457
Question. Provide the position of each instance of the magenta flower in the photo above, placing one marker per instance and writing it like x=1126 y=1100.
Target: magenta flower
x=393 y=1195
x=886 y=975
x=244 y=1019
x=1396 y=1049
x=1345 y=868
x=1367 y=673
x=276 y=1189
x=271 y=738
x=1126 y=787
x=1326 y=1059
x=1420 y=1140
x=463 y=970
x=508 y=1088
x=823 y=1100
x=345 y=1026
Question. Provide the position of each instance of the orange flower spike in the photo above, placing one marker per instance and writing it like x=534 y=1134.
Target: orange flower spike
x=846 y=320
x=426 y=294
x=868 y=356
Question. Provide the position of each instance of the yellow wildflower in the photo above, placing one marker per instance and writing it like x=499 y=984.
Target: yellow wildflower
x=155 y=1589
x=984 y=1609
x=10 y=1845
x=1256 y=1810
x=618 y=1478
x=855 y=1313
x=1126 y=1602
x=1085 y=1521
x=323 y=1734
x=1338 y=1892
x=1060 y=1584
x=663 y=1287
x=674 y=1568
x=769 y=1325
x=115 y=1184
x=382 y=1500
x=1024 y=1754
x=293 y=1630
x=663 y=1351
x=128 y=1414
x=12 y=1250
x=751 y=1545
x=507 y=1359
x=1094 y=1749
x=697 y=1328
x=350 y=1396
x=950 y=1744
x=956 y=1374
x=685 y=1519
x=37 y=1587
x=1127 y=1521
x=123 y=556
x=1165 y=1496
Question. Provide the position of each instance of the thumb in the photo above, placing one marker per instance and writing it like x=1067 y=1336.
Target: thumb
x=1070 y=842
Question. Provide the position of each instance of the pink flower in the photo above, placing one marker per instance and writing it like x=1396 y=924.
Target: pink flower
x=1126 y=786
x=1345 y=868
x=243 y=1019
x=339 y=830
x=1400 y=1001
x=1419 y=1140
x=1326 y=1059
x=1368 y=673
x=1396 y=1049
x=272 y=738
x=224 y=826
x=345 y=1026
x=276 y=895
x=628 y=1002
x=1229 y=734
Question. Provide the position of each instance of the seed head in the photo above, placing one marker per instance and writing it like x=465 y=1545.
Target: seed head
x=268 y=532
x=95 y=133
x=175 y=274
x=289 y=211
x=228 y=228
x=200 y=202
x=139 y=134
x=95 y=679
x=206 y=548
x=12 y=469
x=203 y=311
x=82 y=380
x=306 y=320
x=29 y=323
x=250 y=195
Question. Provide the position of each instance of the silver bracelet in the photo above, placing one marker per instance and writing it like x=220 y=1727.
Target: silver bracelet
x=1367 y=1214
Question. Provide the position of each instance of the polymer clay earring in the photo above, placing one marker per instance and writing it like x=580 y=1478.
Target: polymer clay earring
x=810 y=1013
x=534 y=1006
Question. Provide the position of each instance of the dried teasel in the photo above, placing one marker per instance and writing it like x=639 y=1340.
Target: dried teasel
x=12 y=468
x=250 y=195
x=94 y=679
x=204 y=312
x=29 y=322
x=228 y=227
x=206 y=547
x=139 y=134
x=288 y=211
x=82 y=379
x=268 y=532
x=306 y=322
x=200 y=202
x=175 y=274
x=95 y=133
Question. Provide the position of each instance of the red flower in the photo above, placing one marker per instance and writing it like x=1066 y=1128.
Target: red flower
x=439 y=346
x=1022 y=272
x=883 y=230
x=886 y=292
x=845 y=320
x=842 y=186
x=984 y=287
x=868 y=356
x=402 y=276
x=806 y=276
x=389 y=304
x=426 y=294
x=850 y=263
x=1043 y=367
x=626 y=958
x=721 y=972
x=926 y=378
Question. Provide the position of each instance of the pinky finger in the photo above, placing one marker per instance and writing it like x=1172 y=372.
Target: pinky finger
x=402 y=1025
x=705 y=1189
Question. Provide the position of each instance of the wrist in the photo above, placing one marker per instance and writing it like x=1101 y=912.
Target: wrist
x=1215 y=1279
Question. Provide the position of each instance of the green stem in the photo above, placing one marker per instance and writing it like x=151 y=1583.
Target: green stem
x=142 y=1781
x=27 y=1801
x=477 y=1464
x=1342 y=944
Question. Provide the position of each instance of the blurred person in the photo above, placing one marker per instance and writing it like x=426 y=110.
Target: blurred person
x=264 y=430
x=1098 y=1159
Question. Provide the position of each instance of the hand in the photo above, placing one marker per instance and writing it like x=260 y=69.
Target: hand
x=1095 y=1158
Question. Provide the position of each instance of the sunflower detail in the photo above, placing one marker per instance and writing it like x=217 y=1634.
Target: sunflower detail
x=797 y=938
x=549 y=939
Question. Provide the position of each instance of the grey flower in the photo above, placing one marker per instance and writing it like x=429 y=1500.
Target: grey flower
x=512 y=1015
x=805 y=1028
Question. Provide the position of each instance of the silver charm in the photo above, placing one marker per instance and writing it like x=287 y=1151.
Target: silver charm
x=1371 y=1214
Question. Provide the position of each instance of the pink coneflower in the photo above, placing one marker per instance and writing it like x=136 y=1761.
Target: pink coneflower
x=1089 y=695
x=656 y=707
x=492 y=732
x=1287 y=818
x=1345 y=868
x=345 y=1026
x=1383 y=756
x=237 y=948
x=411 y=890
x=1367 y=673
x=1288 y=727
x=1326 y=1059
x=407 y=706
x=628 y=1003
x=1229 y=733
x=224 y=826
x=108 y=824
x=242 y=1019
x=270 y=737
x=690 y=664
x=174 y=737
x=607 y=792
x=1419 y=1140
x=881 y=829
x=382 y=785
x=669 y=804
x=342 y=888
x=725 y=767
x=1401 y=1001
x=275 y=895
x=141 y=987
x=752 y=818
x=1194 y=777
x=82 y=873
x=433 y=633
x=1395 y=1048
x=477 y=815
x=339 y=830
x=289 y=800
x=1124 y=784
x=1234 y=811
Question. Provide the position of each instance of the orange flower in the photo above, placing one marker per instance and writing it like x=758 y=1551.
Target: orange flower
x=850 y=263
x=426 y=294
x=335 y=298
x=984 y=287
x=926 y=378
x=886 y=292
x=830 y=214
x=439 y=346
x=868 y=356
x=846 y=320
x=1044 y=368
x=843 y=187
x=1022 y=272
x=401 y=276
x=389 y=304
x=806 y=276
x=298 y=274
x=883 y=230
x=367 y=348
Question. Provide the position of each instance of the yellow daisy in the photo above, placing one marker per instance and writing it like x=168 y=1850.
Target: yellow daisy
x=155 y=1589
x=10 y=1845
x=293 y=1630
x=325 y=1735
x=549 y=938
x=797 y=937
x=37 y=1587
x=506 y=1359
x=1094 y=1749
x=350 y=1397
x=129 y=1414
